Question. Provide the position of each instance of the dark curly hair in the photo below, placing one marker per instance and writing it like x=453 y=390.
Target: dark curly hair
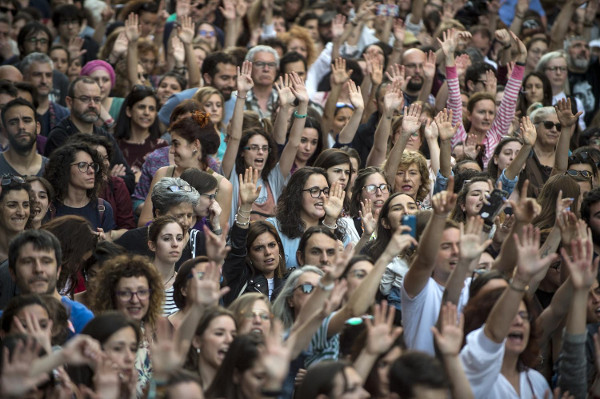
x=58 y=169
x=190 y=130
x=137 y=94
x=272 y=158
x=125 y=266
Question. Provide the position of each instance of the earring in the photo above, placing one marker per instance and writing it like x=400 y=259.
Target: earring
x=198 y=350
x=194 y=152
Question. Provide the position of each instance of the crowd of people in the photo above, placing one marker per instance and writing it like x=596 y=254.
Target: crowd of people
x=246 y=199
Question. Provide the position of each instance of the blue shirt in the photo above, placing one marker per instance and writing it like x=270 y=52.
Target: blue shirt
x=79 y=315
x=507 y=10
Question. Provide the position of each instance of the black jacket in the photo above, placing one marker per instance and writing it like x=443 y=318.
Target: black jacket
x=239 y=276
x=65 y=129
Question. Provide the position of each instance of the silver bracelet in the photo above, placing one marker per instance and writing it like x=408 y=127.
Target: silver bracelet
x=329 y=227
x=241 y=224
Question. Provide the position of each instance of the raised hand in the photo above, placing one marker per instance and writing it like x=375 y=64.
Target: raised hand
x=462 y=62
x=429 y=67
x=298 y=88
x=163 y=349
x=228 y=9
x=381 y=333
x=185 y=30
x=337 y=26
x=339 y=75
x=443 y=202
x=411 y=119
x=244 y=78
x=503 y=37
x=178 y=50
x=286 y=97
x=205 y=288
x=369 y=223
x=448 y=42
x=356 y=97
x=522 y=49
x=581 y=264
x=214 y=211
x=241 y=8
x=132 y=28
x=490 y=82
x=249 y=191
x=366 y=11
x=15 y=379
x=120 y=46
x=75 y=45
x=472 y=146
x=399 y=242
x=33 y=329
x=276 y=356
x=528 y=132
x=216 y=245
x=393 y=98
x=449 y=340
x=530 y=263
x=525 y=209
x=334 y=203
x=472 y=243
x=80 y=350
x=397 y=73
x=399 y=31
x=335 y=270
x=443 y=121
x=431 y=131
x=374 y=69
x=182 y=7
x=565 y=114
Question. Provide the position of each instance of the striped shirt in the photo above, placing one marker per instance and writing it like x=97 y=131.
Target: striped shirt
x=504 y=114
x=169 y=306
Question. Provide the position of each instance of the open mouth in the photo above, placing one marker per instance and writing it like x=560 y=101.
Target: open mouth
x=257 y=330
x=378 y=203
x=319 y=205
x=516 y=337
x=259 y=162
x=406 y=187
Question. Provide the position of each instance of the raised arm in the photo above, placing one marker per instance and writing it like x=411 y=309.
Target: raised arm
x=561 y=24
x=132 y=31
x=429 y=68
x=393 y=100
x=244 y=84
x=185 y=33
x=520 y=10
x=228 y=12
x=423 y=264
x=370 y=84
x=286 y=103
x=431 y=134
x=529 y=135
x=568 y=122
x=348 y=132
x=529 y=263
x=443 y=122
x=339 y=77
x=291 y=148
x=410 y=125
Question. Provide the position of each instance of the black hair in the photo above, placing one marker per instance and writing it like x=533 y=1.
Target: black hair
x=16 y=103
x=181 y=80
x=30 y=29
x=310 y=232
x=31 y=89
x=475 y=71
x=7 y=87
x=16 y=304
x=591 y=197
x=138 y=93
x=416 y=369
x=41 y=240
x=289 y=58
x=209 y=66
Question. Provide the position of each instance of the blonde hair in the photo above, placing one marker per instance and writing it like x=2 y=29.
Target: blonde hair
x=414 y=157
x=298 y=32
x=203 y=94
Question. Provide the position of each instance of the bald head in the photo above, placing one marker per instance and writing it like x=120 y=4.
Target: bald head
x=413 y=60
x=10 y=73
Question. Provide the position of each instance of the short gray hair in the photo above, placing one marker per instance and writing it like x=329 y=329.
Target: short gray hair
x=262 y=49
x=540 y=114
x=281 y=307
x=32 y=58
x=163 y=199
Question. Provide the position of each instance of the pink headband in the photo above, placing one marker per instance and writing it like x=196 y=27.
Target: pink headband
x=91 y=66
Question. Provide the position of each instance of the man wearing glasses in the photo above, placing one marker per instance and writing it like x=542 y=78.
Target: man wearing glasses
x=83 y=100
x=263 y=97
x=37 y=70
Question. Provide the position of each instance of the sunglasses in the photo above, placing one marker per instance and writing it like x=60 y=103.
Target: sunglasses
x=306 y=288
x=8 y=179
x=549 y=125
x=175 y=188
x=582 y=173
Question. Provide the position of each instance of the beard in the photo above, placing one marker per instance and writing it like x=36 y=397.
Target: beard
x=414 y=86
x=22 y=147
x=580 y=63
x=88 y=116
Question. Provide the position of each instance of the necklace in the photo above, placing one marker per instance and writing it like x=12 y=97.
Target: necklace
x=170 y=278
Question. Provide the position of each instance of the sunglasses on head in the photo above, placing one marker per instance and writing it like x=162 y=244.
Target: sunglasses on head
x=8 y=179
x=579 y=173
x=175 y=188
x=306 y=288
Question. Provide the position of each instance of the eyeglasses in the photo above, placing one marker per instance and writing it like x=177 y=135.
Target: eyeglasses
x=211 y=197
x=372 y=188
x=306 y=288
x=175 y=188
x=128 y=295
x=264 y=316
x=88 y=99
x=315 y=192
x=262 y=64
x=5 y=10
x=207 y=33
x=583 y=173
x=549 y=125
x=256 y=148
x=8 y=179
x=477 y=272
x=84 y=166
x=34 y=40
x=557 y=69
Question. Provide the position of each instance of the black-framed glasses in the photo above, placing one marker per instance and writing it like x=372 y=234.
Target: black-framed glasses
x=142 y=295
x=84 y=166
x=211 y=197
x=262 y=64
x=175 y=188
x=549 y=125
x=579 y=173
x=35 y=40
x=8 y=179
x=372 y=188
x=88 y=100
x=306 y=288
x=315 y=192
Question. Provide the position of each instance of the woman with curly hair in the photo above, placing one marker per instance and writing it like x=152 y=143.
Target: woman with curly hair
x=412 y=177
x=132 y=286
x=76 y=173
x=298 y=39
x=192 y=140
x=307 y=201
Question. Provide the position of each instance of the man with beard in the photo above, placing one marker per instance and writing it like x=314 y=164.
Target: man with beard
x=33 y=266
x=413 y=61
x=83 y=99
x=218 y=71
x=37 y=70
x=582 y=69
x=21 y=128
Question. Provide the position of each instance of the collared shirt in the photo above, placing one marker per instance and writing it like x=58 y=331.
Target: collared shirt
x=252 y=103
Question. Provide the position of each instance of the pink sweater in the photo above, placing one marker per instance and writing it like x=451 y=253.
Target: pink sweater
x=504 y=116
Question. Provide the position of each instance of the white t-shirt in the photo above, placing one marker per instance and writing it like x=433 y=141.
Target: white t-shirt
x=482 y=360
x=420 y=313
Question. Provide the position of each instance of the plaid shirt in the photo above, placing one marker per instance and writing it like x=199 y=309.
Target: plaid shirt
x=252 y=103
